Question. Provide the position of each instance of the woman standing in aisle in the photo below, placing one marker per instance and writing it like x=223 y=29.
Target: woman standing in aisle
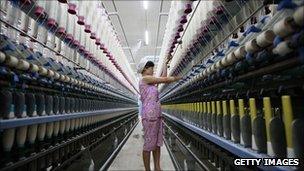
x=151 y=111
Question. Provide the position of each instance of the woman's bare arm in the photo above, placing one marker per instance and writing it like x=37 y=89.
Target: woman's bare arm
x=165 y=67
x=159 y=80
x=164 y=71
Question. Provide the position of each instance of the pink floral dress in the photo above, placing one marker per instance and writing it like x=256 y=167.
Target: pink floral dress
x=151 y=116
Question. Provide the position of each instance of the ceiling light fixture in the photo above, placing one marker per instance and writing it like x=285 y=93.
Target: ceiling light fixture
x=146 y=37
x=145 y=4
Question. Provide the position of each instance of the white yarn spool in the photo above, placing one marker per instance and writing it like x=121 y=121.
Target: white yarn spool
x=8 y=137
x=84 y=85
x=200 y=75
x=80 y=122
x=32 y=133
x=76 y=82
x=62 y=77
x=2 y=57
x=12 y=14
x=49 y=130
x=284 y=27
x=67 y=79
x=224 y=61
x=265 y=39
x=282 y=49
x=21 y=136
x=34 y=28
x=298 y=16
x=42 y=71
x=56 y=75
x=50 y=73
x=218 y=65
x=240 y=52
x=34 y=68
x=213 y=68
x=231 y=58
x=77 y=123
x=73 y=124
x=23 y=65
x=56 y=128
x=209 y=70
x=80 y=83
x=62 y=127
x=252 y=46
x=72 y=81
x=25 y=22
x=68 y=125
x=41 y=131
x=11 y=61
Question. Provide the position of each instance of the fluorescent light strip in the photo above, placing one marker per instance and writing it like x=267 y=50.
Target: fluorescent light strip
x=145 y=5
x=146 y=37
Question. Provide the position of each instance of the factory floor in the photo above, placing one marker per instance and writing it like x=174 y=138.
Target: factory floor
x=130 y=156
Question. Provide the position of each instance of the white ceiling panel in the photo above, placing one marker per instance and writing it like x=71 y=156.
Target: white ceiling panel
x=135 y=20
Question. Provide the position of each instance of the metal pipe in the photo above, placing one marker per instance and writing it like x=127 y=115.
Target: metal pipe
x=175 y=163
x=159 y=19
x=12 y=123
x=115 y=152
x=101 y=139
x=122 y=28
x=187 y=148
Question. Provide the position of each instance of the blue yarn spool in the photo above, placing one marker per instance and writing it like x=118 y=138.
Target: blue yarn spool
x=250 y=59
x=251 y=29
x=286 y=4
x=277 y=40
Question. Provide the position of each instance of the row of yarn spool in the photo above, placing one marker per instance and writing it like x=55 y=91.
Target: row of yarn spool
x=62 y=89
x=267 y=125
x=22 y=141
x=208 y=20
x=20 y=104
x=25 y=141
x=31 y=67
x=248 y=111
x=78 y=45
x=178 y=17
x=251 y=47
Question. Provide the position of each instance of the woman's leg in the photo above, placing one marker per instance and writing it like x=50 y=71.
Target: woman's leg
x=156 y=157
x=146 y=158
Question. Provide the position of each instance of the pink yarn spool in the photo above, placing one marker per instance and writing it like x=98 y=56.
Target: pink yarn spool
x=72 y=8
x=80 y=20
x=51 y=23
x=39 y=11
x=87 y=28
x=183 y=19
x=188 y=8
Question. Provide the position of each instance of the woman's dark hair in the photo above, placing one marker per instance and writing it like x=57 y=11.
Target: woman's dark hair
x=149 y=64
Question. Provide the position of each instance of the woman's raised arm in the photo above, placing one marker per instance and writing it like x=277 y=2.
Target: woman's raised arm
x=159 y=80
